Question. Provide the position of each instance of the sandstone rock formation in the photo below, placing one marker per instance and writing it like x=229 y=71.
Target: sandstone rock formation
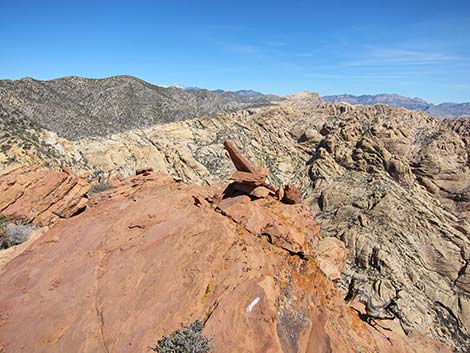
x=147 y=257
x=391 y=183
x=41 y=196
x=394 y=186
x=303 y=100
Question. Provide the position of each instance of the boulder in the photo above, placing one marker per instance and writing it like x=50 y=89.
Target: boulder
x=42 y=196
x=291 y=195
x=311 y=135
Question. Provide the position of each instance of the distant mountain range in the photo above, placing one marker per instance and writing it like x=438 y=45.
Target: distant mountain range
x=443 y=110
x=76 y=107
x=245 y=93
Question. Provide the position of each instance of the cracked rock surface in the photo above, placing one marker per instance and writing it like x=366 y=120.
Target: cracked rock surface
x=42 y=196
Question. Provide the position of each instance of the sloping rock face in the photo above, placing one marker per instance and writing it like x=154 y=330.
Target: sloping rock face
x=152 y=253
x=42 y=196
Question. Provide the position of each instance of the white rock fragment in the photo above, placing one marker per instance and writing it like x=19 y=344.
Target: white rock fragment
x=252 y=305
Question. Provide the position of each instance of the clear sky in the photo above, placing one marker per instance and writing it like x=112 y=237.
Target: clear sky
x=414 y=48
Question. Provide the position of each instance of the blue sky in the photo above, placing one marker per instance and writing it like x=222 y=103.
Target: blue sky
x=414 y=48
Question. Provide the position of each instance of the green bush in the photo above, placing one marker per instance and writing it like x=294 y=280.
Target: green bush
x=188 y=339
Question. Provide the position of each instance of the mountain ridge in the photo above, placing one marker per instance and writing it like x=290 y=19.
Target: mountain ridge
x=76 y=107
x=442 y=110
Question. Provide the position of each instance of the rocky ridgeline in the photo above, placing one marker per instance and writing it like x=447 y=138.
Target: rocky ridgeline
x=392 y=184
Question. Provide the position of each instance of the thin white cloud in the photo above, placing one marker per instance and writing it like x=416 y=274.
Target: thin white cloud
x=349 y=76
x=382 y=56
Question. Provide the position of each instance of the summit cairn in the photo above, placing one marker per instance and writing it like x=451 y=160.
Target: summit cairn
x=252 y=181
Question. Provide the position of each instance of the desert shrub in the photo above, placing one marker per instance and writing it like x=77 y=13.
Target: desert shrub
x=3 y=221
x=13 y=233
x=100 y=187
x=188 y=339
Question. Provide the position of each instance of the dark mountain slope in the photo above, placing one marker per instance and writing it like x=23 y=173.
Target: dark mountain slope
x=77 y=107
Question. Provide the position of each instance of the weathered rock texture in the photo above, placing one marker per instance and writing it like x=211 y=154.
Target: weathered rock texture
x=392 y=184
x=41 y=196
x=147 y=257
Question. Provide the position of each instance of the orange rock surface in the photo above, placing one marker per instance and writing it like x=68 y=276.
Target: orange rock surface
x=151 y=254
x=41 y=196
